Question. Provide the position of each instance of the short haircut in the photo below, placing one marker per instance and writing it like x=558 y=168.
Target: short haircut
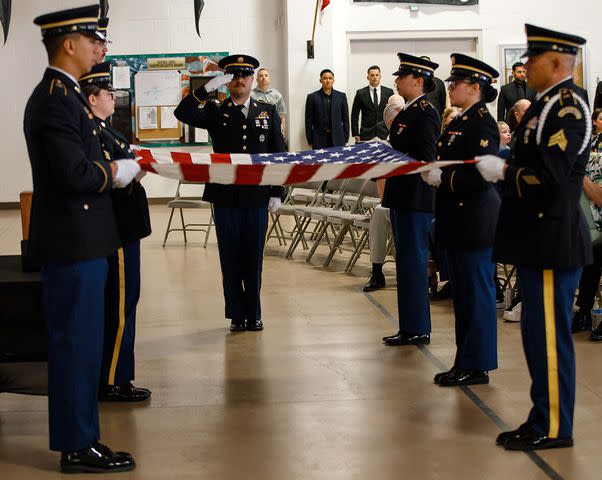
x=373 y=67
x=326 y=70
x=596 y=113
x=54 y=44
x=262 y=69
x=91 y=90
x=517 y=64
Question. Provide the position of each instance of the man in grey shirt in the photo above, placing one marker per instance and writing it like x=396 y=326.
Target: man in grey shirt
x=264 y=93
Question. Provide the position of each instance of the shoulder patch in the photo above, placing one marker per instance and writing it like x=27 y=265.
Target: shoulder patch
x=570 y=110
x=566 y=97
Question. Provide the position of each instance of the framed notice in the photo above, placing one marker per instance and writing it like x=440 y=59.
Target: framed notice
x=510 y=54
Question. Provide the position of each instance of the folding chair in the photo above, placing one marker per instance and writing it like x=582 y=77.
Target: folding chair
x=179 y=203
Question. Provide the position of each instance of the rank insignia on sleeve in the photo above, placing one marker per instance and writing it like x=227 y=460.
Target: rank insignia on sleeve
x=570 y=111
x=559 y=140
x=484 y=143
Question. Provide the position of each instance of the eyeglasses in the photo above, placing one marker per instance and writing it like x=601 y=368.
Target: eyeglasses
x=451 y=84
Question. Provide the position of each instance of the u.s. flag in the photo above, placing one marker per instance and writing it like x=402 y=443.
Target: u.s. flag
x=364 y=160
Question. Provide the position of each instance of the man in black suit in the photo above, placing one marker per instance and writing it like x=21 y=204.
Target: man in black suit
x=514 y=91
x=326 y=115
x=73 y=231
x=239 y=125
x=438 y=96
x=370 y=101
x=598 y=97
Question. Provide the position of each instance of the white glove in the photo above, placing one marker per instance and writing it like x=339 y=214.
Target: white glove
x=274 y=204
x=432 y=177
x=127 y=169
x=217 y=82
x=491 y=168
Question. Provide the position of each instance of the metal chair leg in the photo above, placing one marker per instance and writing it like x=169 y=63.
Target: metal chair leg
x=319 y=237
x=168 y=225
x=336 y=244
x=183 y=226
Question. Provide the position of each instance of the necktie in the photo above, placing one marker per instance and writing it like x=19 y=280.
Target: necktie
x=240 y=109
x=375 y=97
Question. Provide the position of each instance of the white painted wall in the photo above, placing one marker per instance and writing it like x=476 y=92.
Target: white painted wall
x=255 y=27
x=276 y=32
x=499 y=22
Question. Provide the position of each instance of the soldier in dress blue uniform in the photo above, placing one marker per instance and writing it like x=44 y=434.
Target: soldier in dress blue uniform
x=414 y=132
x=541 y=230
x=238 y=125
x=466 y=211
x=73 y=231
x=133 y=221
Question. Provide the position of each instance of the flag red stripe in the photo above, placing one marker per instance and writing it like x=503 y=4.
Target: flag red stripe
x=404 y=169
x=355 y=170
x=248 y=174
x=221 y=158
x=195 y=173
x=301 y=173
x=181 y=157
x=147 y=160
x=325 y=3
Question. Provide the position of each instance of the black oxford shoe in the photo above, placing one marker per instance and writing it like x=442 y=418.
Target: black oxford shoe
x=520 y=432
x=530 y=440
x=123 y=393
x=596 y=335
x=440 y=375
x=237 y=326
x=464 y=377
x=97 y=458
x=442 y=294
x=391 y=336
x=407 y=339
x=581 y=321
x=375 y=282
x=254 y=326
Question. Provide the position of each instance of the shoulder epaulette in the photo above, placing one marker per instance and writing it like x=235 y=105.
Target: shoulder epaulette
x=57 y=87
x=483 y=111
x=425 y=105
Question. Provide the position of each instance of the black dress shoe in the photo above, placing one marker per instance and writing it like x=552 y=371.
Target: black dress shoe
x=375 y=282
x=520 y=432
x=391 y=336
x=596 y=335
x=97 y=458
x=442 y=294
x=123 y=393
x=530 y=440
x=238 y=326
x=254 y=326
x=440 y=375
x=581 y=321
x=407 y=339
x=464 y=377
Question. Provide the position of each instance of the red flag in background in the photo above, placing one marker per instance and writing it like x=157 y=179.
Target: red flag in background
x=325 y=3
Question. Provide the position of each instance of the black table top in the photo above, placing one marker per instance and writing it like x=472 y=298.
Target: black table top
x=10 y=271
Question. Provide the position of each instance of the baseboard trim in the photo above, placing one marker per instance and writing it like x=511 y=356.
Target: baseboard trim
x=9 y=205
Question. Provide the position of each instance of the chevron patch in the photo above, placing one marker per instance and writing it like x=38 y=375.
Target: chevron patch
x=531 y=180
x=559 y=140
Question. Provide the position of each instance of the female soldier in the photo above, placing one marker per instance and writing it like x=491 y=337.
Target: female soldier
x=413 y=132
x=466 y=212
x=123 y=283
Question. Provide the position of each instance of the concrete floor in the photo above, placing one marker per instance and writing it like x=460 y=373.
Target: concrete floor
x=314 y=396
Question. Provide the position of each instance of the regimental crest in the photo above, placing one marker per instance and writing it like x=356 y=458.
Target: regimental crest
x=484 y=143
x=240 y=59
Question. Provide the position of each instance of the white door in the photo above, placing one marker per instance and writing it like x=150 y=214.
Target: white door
x=383 y=52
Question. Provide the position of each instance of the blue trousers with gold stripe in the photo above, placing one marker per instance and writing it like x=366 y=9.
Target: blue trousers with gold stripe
x=122 y=295
x=410 y=232
x=473 y=292
x=240 y=239
x=546 y=317
x=73 y=296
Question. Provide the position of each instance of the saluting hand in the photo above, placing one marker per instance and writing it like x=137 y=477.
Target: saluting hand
x=217 y=82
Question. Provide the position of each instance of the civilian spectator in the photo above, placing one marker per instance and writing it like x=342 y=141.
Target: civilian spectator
x=370 y=101
x=514 y=91
x=265 y=93
x=326 y=115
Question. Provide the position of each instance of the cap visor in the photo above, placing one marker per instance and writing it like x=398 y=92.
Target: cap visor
x=102 y=37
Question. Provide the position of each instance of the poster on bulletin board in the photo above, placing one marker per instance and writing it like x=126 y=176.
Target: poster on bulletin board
x=148 y=89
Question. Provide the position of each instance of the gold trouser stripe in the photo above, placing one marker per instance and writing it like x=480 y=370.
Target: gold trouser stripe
x=119 y=337
x=551 y=352
x=451 y=181
x=518 y=190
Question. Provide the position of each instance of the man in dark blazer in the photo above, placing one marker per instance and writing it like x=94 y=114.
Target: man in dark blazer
x=239 y=125
x=438 y=96
x=73 y=231
x=514 y=91
x=370 y=101
x=326 y=115
x=598 y=96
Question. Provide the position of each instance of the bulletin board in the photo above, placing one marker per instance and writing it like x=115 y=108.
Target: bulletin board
x=150 y=86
